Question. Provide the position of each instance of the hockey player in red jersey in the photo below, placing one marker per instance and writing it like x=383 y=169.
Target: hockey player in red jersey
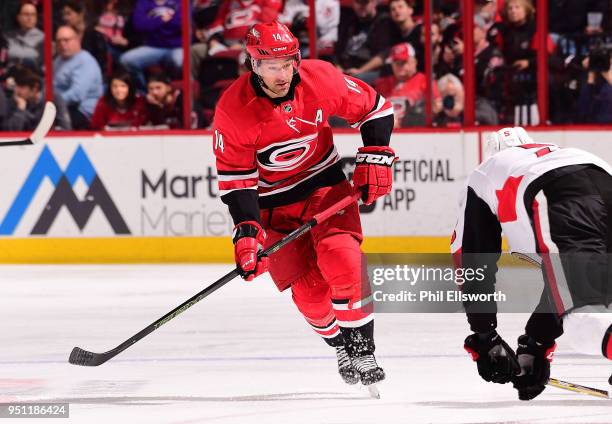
x=554 y=205
x=278 y=166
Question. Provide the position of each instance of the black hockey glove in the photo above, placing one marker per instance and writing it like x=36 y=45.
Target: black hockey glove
x=534 y=359
x=495 y=360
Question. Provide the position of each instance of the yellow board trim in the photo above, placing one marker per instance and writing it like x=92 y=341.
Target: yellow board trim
x=170 y=249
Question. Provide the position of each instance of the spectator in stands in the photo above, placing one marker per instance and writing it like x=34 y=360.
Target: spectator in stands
x=295 y=15
x=595 y=101
x=445 y=13
x=111 y=24
x=73 y=14
x=204 y=12
x=517 y=32
x=235 y=18
x=159 y=21
x=363 y=32
x=488 y=63
x=450 y=55
x=406 y=88
x=76 y=77
x=28 y=103
x=489 y=11
x=436 y=46
x=121 y=107
x=203 y=15
x=220 y=45
x=451 y=91
x=518 y=46
x=568 y=20
x=487 y=57
x=25 y=45
x=164 y=103
x=404 y=29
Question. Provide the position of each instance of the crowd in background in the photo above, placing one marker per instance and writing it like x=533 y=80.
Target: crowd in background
x=118 y=64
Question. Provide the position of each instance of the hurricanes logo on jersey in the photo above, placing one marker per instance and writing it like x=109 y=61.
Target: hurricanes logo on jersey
x=287 y=155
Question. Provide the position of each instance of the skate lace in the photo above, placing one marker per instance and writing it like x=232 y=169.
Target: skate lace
x=344 y=360
x=365 y=363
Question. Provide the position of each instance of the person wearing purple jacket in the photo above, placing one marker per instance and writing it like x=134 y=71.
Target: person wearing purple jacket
x=159 y=22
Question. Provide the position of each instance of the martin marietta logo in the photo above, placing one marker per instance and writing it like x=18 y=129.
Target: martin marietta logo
x=81 y=210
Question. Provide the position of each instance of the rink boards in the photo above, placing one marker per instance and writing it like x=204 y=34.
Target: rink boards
x=154 y=198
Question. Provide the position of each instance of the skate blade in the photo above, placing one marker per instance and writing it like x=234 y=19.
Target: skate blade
x=373 y=391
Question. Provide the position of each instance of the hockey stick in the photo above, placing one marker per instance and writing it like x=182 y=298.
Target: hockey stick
x=41 y=130
x=527 y=258
x=83 y=357
x=591 y=391
x=560 y=384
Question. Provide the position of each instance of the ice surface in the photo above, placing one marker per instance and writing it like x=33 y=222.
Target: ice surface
x=244 y=355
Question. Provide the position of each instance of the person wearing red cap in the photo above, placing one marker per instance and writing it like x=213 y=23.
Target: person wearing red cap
x=277 y=167
x=406 y=87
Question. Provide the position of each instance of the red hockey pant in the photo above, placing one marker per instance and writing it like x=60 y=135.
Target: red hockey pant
x=325 y=268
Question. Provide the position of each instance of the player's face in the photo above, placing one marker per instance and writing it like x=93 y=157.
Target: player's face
x=119 y=90
x=404 y=69
x=277 y=75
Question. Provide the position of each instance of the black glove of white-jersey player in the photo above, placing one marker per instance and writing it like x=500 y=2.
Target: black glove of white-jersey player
x=496 y=361
x=534 y=359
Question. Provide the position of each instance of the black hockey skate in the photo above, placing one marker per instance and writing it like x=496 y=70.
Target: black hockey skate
x=345 y=367
x=368 y=369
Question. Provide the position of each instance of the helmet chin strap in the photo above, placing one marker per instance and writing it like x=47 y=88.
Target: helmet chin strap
x=254 y=66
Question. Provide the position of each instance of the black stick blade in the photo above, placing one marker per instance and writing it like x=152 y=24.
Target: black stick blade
x=85 y=358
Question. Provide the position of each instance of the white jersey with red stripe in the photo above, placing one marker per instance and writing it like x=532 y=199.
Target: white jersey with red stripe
x=500 y=184
x=283 y=150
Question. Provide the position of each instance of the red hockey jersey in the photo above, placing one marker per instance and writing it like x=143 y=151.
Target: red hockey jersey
x=285 y=151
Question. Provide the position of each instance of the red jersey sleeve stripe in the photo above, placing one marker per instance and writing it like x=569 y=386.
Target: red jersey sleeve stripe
x=238 y=184
x=237 y=176
x=383 y=108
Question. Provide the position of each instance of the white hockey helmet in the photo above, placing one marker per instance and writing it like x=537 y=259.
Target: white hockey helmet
x=504 y=138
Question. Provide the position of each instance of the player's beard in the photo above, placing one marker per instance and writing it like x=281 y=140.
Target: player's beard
x=281 y=88
x=278 y=88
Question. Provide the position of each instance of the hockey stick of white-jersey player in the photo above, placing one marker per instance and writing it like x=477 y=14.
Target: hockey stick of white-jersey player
x=560 y=384
x=83 y=357
x=41 y=130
